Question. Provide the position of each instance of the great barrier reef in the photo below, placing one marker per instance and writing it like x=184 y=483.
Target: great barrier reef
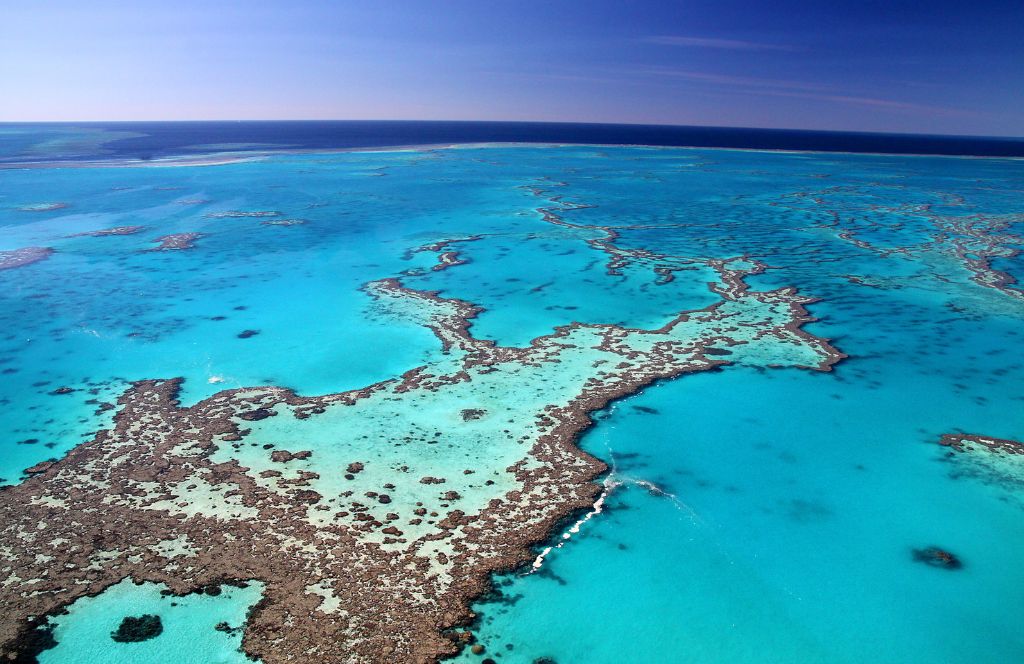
x=507 y=402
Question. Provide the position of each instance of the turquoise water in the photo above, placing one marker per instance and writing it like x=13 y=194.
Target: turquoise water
x=190 y=626
x=788 y=501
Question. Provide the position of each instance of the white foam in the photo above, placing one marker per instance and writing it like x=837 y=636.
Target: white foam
x=610 y=484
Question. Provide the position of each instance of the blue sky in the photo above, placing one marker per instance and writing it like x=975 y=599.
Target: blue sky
x=927 y=67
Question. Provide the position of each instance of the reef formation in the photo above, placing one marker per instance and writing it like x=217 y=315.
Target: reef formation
x=117 y=230
x=176 y=241
x=138 y=628
x=998 y=462
x=373 y=541
x=22 y=257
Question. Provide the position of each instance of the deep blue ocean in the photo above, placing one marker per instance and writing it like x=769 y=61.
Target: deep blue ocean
x=156 y=140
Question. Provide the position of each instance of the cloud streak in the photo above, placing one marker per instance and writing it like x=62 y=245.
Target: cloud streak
x=729 y=80
x=801 y=90
x=874 y=102
x=711 y=42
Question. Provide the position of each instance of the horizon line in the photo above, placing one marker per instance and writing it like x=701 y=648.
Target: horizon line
x=525 y=122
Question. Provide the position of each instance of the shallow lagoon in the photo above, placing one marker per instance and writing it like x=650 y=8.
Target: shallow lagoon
x=189 y=626
x=795 y=499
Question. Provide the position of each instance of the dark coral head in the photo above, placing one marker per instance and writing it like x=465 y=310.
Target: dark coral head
x=141 y=628
x=937 y=557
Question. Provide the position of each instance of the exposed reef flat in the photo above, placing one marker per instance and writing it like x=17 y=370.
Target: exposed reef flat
x=873 y=222
x=284 y=222
x=242 y=214
x=973 y=443
x=446 y=256
x=118 y=230
x=176 y=241
x=996 y=461
x=22 y=257
x=737 y=496
x=373 y=548
x=43 y=207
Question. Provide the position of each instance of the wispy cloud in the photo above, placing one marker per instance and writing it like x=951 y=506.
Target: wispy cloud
x=714 y=83
x=726 y=79
x=891 y=104
x=773 y=87
x=711 y=42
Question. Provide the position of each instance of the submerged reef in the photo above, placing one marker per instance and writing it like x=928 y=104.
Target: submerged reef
x=975 y=443
x=22 y=257
x=176 y=241
x=241 y=214
x=372 y=547
x=117 y=230
x=134 y=629
x=380 y=410
x=998 y=462
x=934 y=556
x=284 y=222
x=870 y=221
x=43 y=207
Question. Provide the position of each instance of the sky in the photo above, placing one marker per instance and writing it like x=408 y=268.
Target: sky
x=940 y=67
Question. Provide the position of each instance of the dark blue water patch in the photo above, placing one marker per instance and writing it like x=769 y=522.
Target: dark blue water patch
x=151 y=140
